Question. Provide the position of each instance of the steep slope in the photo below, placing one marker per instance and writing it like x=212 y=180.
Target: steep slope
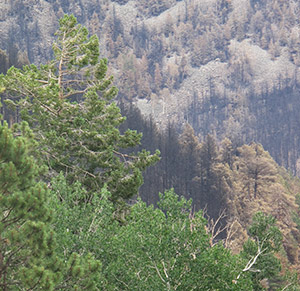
x=214 y=64
x=230 y=68
x=259 y=184
x=237 y=181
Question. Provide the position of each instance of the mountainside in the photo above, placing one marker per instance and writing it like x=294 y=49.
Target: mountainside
x=216 y=69
x=230 y=68
x=228 y=180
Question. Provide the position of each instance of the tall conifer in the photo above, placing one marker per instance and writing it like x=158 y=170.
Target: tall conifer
x=27 y=259
x=68 y=102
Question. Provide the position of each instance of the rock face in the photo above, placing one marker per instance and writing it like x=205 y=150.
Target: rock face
x=226 y=67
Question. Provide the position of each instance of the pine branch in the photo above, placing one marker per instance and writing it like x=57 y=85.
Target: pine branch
x=71 y=167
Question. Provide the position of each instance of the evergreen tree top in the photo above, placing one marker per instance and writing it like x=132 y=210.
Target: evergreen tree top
x=69 y=105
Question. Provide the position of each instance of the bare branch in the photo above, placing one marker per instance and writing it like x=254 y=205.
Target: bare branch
x=213 y=227
x=230 y=234
x=60 y=65
x=155 y=267
x=252 y=261
x=287 y=286
x=165 y=270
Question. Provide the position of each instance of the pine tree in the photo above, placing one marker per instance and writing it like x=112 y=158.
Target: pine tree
x=69 y=104
x=256 y=168
x=213 y=178
x=265 y=240
x=28 y=256
x=227 y=152
x=27 y=259
x=189 y=154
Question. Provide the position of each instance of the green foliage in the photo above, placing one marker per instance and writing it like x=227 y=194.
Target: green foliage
x=80 y=227
x=82 y=272
x=265 y=240
x=27 y=259
x=296 y=216
x=68 y=103
x=264 y=230
x=28 y=249
x=291 y=282
x=168 y=249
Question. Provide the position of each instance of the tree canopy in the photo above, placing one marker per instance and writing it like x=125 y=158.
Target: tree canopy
x=28 y=257
x=69 y=104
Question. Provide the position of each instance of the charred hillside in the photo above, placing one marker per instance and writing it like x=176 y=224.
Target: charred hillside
x=229 y=68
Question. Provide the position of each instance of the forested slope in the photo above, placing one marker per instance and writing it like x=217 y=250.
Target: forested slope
x=70 y=166
x=68 y=104
x=220 y=177
x=229 y=68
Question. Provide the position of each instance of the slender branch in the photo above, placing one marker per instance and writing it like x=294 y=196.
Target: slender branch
x=92 y=223
x=251 y=262
x=90 y=151
x=287 y=286
x=60 y=65
x=43 y=81
x=47 y=107
x=36 y=284
x=165 y=270
x=230 y=234
x=212 y=226
x=12 y=221
x=124 y=155
x=72 y=167
x=122 y=282
x=34 y=96
x=74 y=93
x=6 y=213
x=11 y=254
x=159 y=273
